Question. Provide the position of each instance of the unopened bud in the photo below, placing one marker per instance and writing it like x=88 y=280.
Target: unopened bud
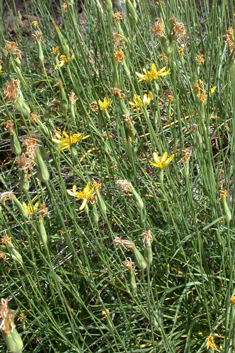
x=131 y=12
x=140 y=261
x=15 y=144
x=20 y=207
x=42 y=171
x=13 y=341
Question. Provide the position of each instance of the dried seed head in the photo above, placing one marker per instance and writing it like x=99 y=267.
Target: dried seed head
x=119 y=56
x=125 y=185
x=117 y=37
x=194 y=128
x=97 y=185
x=202 y=97
x=12 y=90
x=186 y=156
x=223 y=194
x=43 y=211
x=117 y=16
x=178 y=28
x=34 y=117
x=147 y=238
x=124 y=243
x=158 y=28
x=200 y=59
x=6 y=240
x=10 y=127
x=30 y=147
x=24 y=163
x=116 y=92
x=94 y=106
x=11 y=47
x=72 y=97
x=229 y=33
x=129 y=265
x=2 y=256
x=56 y=50
x=6 y=317
x=38 y=36
x=7 y=195
x=93 y=200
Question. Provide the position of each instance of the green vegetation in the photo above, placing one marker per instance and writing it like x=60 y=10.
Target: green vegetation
x=117 y=148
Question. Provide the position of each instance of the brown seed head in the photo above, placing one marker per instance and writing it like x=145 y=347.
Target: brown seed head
x=6 y=240
x=158 y=28
x=72 y=97
x=147 y=238
x=7 y=195
x=6 y=317
x=119 y=56
x=24 y=163
x=43 y=210
x=30 y=147
x=129 y=265
x=200 y=59
x=178 y=28
x=186 y=156
x=38 y=36
x=223 y=194
x=117 y=16
x=94 y=106
x=12 y=90
x=10 y=127
x=56 y=50
x=116 y=92
x=11 y=47
x=124 y=243
x=125 y=185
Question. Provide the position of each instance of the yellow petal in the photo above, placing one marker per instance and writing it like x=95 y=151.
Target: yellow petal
x=156 y=157
x=83 y=204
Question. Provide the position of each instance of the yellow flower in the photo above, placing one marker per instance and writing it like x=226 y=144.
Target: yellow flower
x=104 y=105
x=153 y=74
x=138 y=102
x=63 y=60
x=85 y=195
x=1 y=69
x=67 y=140
x=210 y=343
x=161 y=162
x=213 y=89
x=30 y=208
x=56 y=50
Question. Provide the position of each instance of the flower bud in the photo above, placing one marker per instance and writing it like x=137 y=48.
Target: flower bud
x=131 y=12
x=20 y=207
x=139 y=201
x=13 y=341
x=63 y=100
x=148 y=254
x=140 y=261
x=95 y=214
x=42 y=231
x=108 y=5
x=24 y=181
x=133 y=282
x=63 y=42
x=42 y=171
x=15 y=144
x=16 y=256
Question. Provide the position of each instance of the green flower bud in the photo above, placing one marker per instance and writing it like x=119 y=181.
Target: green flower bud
x=63 y=100
x=20 y=207
x=16 y=256
x=140 y=261
x=227 y=213
x=24 y=181
x=63 y=42
x=133 y=282
x=42 y=231
x=42 y=171
x=15 y=144
x=13 y=341
x=40 y=53
x=95 y=214
x=108 y=5
x=131 y=12
x=22 y=107
x=148 y=254
x=139 y=201
x=101 y=203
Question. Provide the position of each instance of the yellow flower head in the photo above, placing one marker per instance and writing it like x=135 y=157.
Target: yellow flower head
x=213 y=89
x=153 y=74
x=85 y=195
x=68 y=140
x=30 y=208
x=161 y=161
x=104 y=105
x=63 y=60
x=138 y=101
x=210 y=343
